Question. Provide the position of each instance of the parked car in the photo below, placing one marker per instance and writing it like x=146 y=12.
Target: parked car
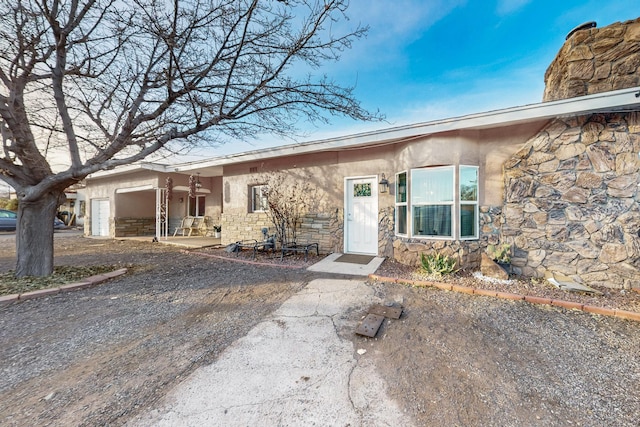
x=58 y=223
x=9 y=219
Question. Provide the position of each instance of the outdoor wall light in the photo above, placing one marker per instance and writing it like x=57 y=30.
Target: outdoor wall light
x=198 y=183
x=384 y=184
x=181 y=199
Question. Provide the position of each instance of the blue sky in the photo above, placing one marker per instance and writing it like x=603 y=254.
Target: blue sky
x=425 y=60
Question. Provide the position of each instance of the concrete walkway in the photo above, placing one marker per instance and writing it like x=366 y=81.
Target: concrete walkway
x=298 y=367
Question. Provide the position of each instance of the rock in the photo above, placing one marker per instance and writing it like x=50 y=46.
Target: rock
x=567 y=151
x=601 y=157
x=571 y=286
x=613 y=253
x=588 y=180
x=576 y=195
x=489 y=268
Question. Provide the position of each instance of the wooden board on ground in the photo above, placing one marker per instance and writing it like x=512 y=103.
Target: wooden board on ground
x=390 y=312
x=370 y=325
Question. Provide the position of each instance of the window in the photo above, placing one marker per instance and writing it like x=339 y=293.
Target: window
x=439 y=208
x=259 y=198
x=401 y=203
x=196 y=206
x=362 y=190
x=468 y=202
x=432 y=201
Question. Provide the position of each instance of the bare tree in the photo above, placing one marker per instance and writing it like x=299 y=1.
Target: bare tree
x=289 y=197
x=107 y=83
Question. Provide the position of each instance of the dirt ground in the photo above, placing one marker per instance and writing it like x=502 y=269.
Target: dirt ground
x=101 y=355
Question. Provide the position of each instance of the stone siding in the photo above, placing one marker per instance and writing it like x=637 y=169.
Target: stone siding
x=386 y=232
x=240 y=225
x=595 y=60
x=467 y=253
x=130 y=227
x=571 y=201
x=322 y=228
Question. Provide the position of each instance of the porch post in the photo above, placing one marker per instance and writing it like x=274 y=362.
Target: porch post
x=162 y=214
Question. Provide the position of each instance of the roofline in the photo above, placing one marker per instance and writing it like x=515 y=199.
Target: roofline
x=619 y=100
x=613 y=101
x=136 y=167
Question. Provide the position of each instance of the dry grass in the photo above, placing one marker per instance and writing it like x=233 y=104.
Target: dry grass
x=62 y=275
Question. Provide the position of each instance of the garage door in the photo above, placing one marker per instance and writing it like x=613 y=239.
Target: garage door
x=100 y=218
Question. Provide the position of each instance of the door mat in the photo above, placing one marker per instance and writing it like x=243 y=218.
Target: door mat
x=355 y=259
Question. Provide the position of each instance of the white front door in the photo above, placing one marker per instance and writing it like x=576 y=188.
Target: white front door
x=361 y=216
x=100 y=217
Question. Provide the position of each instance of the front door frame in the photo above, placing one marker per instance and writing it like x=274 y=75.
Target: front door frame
x=372 y=248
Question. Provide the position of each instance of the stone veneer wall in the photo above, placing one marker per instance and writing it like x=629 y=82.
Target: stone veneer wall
x=571 y=201
x=322 y=228
x=239 y=225
x=129 y=227
x=595 y=60
x=467 y=253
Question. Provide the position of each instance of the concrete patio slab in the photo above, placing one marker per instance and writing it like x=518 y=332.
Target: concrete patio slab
x=329 y=265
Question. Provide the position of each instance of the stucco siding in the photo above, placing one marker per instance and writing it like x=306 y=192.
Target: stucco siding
x=486 y=149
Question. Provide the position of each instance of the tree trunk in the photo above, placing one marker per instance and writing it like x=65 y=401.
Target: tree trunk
x=34 y=236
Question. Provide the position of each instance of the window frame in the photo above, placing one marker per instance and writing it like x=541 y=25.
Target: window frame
x=252 y=199
x=474 y=203
x=195 y=202
x=400 y=203
x=451 y=203
x=456 y=203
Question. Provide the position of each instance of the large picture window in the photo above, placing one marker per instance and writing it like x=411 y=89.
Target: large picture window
x=432 y=192
x=443 y=202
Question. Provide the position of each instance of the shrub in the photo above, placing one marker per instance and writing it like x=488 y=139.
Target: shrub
x=10 y=204
x=500 y=253
x=437 y=264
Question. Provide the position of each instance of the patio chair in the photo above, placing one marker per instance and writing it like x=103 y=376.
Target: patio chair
x=196 y=226
x=186 y=225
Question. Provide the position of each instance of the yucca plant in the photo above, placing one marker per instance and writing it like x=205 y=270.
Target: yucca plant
x=437 y=264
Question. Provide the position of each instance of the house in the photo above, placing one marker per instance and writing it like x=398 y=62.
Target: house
x=73 y=209
x=558 y=180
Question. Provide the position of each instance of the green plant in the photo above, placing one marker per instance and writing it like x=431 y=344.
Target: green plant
x=217 y=228
x=437 y=264
x=500 y=253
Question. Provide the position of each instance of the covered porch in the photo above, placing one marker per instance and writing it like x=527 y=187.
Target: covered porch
x=157 y=210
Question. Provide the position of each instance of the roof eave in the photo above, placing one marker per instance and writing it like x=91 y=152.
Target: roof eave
x=614 y=101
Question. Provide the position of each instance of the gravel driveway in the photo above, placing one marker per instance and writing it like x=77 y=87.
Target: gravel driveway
x=102 y=355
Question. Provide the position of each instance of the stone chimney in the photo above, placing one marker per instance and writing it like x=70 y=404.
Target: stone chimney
x=594 y=60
